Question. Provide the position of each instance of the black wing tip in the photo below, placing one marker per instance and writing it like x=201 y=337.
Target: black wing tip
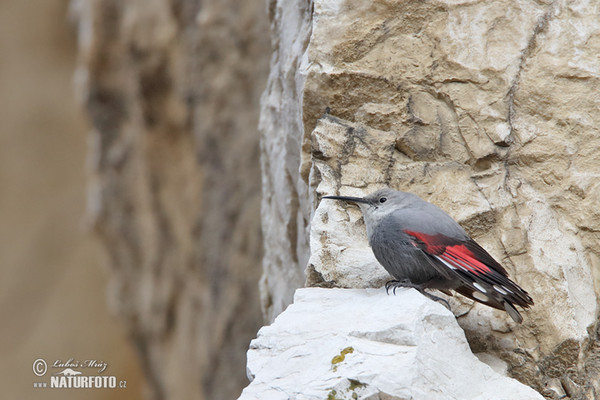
x=512 y=311
x=522 y=298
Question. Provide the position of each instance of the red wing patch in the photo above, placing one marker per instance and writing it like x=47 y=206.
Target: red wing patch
x=451 y=252
x=483 y=278
x=461 y=257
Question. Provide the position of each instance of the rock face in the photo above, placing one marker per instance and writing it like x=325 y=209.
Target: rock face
x=286 y=207
x=363 y=344
x=172 y=90
x=488 y=110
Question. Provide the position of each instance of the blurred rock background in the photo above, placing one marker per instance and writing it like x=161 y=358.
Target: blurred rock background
x=53 y=274
x=172 y=90
x=163 y=142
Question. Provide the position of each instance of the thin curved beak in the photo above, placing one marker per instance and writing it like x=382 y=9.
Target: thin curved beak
x=348 y=199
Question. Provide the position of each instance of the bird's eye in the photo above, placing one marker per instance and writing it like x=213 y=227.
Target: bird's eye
x=383 y=199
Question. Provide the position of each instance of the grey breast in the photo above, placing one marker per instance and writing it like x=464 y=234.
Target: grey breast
x=395 y=250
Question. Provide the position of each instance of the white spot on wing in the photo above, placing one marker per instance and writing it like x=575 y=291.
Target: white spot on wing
x=479 y=287
x=501 y=289
x=480 y=297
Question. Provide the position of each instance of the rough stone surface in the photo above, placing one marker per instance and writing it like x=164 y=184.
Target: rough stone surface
x=363 y=344
x=172 y=89
x=285 y=209
x=487 y=109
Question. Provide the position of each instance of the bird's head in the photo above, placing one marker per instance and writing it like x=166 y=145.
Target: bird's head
x=378 y=204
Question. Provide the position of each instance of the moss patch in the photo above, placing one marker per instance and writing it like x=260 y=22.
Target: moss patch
x=342 y=356
x=354 y=384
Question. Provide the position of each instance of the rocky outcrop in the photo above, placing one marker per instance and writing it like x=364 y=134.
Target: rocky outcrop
x=487 y=110
x=362 y=344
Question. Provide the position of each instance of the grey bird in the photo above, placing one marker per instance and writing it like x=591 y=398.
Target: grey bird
x=422 y=247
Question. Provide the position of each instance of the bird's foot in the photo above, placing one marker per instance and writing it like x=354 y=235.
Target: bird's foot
x=390 y=284
x=405 y=283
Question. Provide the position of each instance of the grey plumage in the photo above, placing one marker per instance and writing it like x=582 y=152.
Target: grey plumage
x=423 y=247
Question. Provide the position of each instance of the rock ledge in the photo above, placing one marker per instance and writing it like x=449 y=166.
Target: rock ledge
x=363 y=344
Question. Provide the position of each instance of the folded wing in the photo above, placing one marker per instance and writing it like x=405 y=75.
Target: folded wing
x=481 y=277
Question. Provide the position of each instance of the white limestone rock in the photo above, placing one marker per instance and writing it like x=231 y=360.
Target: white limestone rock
x=363 y=344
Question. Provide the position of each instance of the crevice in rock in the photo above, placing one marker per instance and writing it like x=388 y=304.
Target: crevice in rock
x=539 y=27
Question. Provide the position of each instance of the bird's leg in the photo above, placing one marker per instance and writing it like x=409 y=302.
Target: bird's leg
x=405 y=283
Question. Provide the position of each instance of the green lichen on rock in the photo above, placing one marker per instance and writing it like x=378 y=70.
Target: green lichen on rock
x=346 y=390
x=342 y=356
x=354 y=384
